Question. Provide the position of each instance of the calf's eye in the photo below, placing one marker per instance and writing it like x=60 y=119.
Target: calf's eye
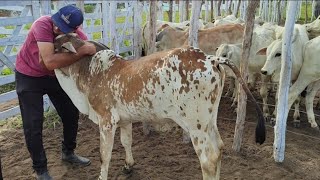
x=277 y=55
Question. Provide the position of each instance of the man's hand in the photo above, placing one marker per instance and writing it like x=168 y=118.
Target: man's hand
x=87 y=49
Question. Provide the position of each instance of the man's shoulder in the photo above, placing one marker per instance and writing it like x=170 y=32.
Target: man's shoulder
x=41 y=29
x=46 y=19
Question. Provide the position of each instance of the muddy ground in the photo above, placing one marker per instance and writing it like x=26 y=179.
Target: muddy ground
x=164 y=156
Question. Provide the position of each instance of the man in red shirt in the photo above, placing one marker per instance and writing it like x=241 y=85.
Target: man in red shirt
x=35 y=77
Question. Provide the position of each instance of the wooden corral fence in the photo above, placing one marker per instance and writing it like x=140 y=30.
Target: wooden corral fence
x=112 y=23
x=115 y=23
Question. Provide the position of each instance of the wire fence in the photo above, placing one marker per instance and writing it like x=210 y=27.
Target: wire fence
x=293 y=132
x=272 y=105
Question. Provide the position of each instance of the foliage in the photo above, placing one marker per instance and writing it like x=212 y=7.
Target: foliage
x=88 y=8
x=303 y=13
x=51 y=120
x=12 y=122
x=7 y=87
x=6 y=71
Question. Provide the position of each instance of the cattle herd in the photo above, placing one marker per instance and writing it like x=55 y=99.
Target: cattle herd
x=182 y=84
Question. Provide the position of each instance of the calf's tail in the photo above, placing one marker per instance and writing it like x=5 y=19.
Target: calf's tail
x=260 y=128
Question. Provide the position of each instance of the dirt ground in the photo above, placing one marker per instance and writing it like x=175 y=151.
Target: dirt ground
x=164 y=155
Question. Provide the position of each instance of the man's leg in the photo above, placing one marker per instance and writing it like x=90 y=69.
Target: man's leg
x=31 y=106
x=69 y=115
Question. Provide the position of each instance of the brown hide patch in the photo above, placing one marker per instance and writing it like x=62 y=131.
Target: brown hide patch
x=195 y=141
x=206 y=129
x=213 y=79
x=199 y=126
x=210 y=39
x=185 y=67
x=135 y=73
x=214 y=94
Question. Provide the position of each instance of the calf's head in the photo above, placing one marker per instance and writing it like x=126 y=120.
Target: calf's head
x=68 y=43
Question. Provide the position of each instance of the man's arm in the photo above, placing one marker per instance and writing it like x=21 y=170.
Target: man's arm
x=53 y=60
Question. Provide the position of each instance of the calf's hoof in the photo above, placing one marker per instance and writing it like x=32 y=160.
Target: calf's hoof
x=315 y=127
x=296 y=124
x=273 y=121
x=267 y=118
x=126 y=170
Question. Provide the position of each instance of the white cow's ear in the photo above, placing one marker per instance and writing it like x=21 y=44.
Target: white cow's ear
x=69 y=47
x=262 y=51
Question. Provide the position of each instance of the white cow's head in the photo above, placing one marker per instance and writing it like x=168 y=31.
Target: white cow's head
x=230 y=51
x=273 y=62
x=169 y=38
x=313 y=28
x=274 y=53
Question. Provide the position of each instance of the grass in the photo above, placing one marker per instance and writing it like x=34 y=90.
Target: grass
x=51 y=120
x=303 y=13
x=7 y=87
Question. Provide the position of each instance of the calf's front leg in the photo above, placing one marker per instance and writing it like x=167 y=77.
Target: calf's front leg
x=107 y=133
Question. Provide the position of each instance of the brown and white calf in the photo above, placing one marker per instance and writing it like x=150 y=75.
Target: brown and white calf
x=183 y=85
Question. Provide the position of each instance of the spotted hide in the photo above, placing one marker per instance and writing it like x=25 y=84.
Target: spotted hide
x=183 y=85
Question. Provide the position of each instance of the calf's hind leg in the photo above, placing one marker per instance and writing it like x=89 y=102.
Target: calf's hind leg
x=126 y=141
x=208 y=146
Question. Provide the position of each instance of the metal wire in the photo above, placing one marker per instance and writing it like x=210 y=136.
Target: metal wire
x=296 y=133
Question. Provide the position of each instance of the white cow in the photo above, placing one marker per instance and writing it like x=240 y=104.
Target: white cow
x=230 y=19
x=183 y=84
x=309 y=77
x=261 y=37
x=273 y=64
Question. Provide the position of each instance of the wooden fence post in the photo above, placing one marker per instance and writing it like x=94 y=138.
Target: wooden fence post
x=113 y=30
x=194 y=23
x=170 y=12
x=182 y=11
x=211 y=7
x=105 y=9
x=35 y=9
x=152 y=46
x=285 y=78
x=187 y=10
x=206 y=15
x=80 y=5
x=137 y=21
x=242 y=98
x=45 y=7
x=159 y=10
x=152 y=25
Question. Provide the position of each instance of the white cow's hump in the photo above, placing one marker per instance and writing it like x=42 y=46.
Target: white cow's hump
x=101 y=61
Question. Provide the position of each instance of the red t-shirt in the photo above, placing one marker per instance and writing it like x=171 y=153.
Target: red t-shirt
x=28 y=57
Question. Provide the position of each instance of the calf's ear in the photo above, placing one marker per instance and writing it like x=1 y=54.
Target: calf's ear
x=68 y=47
x=262 y=51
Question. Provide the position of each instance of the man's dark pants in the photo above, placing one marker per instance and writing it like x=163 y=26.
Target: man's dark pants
x=30 y=92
